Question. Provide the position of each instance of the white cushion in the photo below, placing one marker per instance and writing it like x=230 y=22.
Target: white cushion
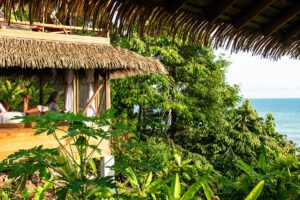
x=2 y=109
x=7 y=117
x=42 y=108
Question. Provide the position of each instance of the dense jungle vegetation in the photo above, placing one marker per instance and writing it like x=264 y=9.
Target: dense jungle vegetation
x=193 y=112
x=187 y=134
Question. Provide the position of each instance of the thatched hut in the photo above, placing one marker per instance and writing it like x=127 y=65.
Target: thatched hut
x=75 y=58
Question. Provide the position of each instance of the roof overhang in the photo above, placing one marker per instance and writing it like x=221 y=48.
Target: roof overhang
x=269 y=28
x=37 y=50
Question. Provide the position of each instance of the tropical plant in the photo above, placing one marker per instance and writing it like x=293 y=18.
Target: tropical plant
x=254 y=194
x=173 y=192
x=195 y=109
x=11 y=92
x=71 y=166
x=280 y=176
x=140 y=186
x=4 y=195
x=137 y=164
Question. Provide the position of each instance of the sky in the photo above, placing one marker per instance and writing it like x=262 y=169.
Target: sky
x=263 y=78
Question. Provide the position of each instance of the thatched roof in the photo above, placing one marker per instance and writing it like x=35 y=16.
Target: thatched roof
x=45 y=50
x=265 y=27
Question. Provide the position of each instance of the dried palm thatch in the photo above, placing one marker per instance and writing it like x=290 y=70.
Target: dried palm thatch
x=269 y=27
x=41 y=54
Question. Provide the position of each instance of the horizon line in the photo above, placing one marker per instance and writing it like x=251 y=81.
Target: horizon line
x=270 y=97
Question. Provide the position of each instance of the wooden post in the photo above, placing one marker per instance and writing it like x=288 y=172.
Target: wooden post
x=76 y=91
x=101 y=106
x=107 y=161
x=93 y=97
x=96 y=83
x=107 y=90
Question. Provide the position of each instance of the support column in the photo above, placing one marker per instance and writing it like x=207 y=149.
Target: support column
x=96 y=83
x=107 y=91
x=106 y=164
x=90 y=93
x=76 y=92
x=108 y=161
x=69 y=91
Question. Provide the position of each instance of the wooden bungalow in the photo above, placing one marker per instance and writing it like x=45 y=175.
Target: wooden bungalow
x=74 y=58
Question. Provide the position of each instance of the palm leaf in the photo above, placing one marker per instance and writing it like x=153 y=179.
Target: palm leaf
x=149 y=179
x=207 y=191
x=190 y=193
x=254 y=194
x=175 y=189
x=262 y=162
x=245 y=167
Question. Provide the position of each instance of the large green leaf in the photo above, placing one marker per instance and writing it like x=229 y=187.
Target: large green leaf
x=190 y=193
x=245 y=167
x=177 y=159
x=4 y=195
x=262 y=162
x=149 y=179
x=132 y=177
x=207 y=191
x=40 y=195
x=254 y=194
x=175 y=189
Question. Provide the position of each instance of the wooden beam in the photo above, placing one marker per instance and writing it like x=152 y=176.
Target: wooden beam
x=61 y=32
x=53 y=37
x=290 y=33
x=217 y=9
x=45 y=25
x=107 y=90
x=93 y=97
x=282 y=19
x=250 y=13
x=101 y=106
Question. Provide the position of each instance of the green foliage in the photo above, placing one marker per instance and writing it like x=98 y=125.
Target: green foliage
x=158 y=161
x=11 y=91
x=174 y=191
x=73 y=172
x=254 y=194
x=4 y=195
x=280 y=175
x=195 y=110
x=207 y=191
x=142 y=186
x=192 y=94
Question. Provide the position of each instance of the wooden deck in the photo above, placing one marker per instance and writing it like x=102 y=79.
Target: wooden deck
x=14 y=137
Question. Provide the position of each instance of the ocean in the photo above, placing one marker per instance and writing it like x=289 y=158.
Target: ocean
x=286 y=113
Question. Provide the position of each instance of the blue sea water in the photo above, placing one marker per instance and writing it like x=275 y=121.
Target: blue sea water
x=286 y=113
